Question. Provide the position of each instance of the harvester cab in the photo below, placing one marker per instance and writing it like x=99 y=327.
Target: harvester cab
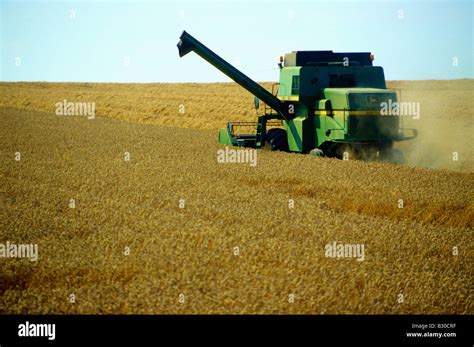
x=325 y=103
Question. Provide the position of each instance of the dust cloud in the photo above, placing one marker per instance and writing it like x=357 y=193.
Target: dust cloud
x=445 y=126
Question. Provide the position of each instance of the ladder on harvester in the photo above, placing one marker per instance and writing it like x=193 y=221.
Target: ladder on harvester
x=261 y=124
x=260 y=141
x=275 y=88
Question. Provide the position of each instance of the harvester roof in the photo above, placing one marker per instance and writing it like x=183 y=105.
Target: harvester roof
x=324 y=58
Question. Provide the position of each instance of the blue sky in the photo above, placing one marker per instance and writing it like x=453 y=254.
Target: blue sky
x=124 y=41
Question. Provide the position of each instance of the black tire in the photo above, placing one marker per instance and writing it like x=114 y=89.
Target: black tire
x=277 y=140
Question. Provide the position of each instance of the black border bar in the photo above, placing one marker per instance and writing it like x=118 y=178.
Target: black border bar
x=144 y=330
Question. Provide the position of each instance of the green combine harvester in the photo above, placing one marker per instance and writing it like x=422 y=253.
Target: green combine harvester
x=326 y=103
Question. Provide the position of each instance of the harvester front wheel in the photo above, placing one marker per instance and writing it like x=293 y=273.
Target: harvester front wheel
x=277 y=140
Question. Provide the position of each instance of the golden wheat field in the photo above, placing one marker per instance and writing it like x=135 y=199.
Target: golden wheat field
x=173 y=231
